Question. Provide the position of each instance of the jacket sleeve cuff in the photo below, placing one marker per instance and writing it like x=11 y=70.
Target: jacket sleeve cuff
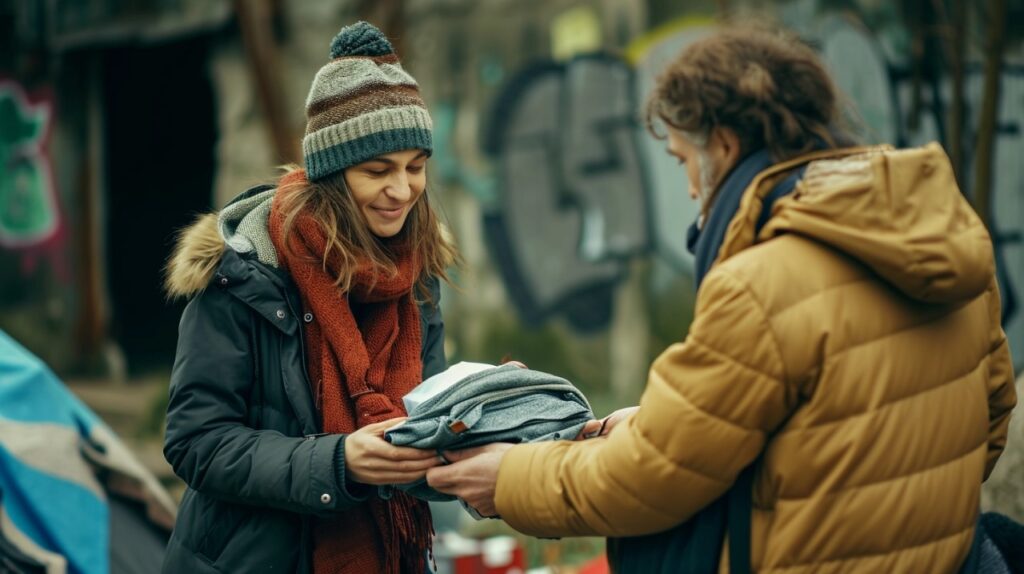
x=353 y=491
x=521 y=508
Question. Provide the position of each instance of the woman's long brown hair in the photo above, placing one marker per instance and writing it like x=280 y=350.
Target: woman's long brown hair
x=331 y=202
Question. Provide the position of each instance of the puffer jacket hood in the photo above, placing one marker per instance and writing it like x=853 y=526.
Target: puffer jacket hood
x=897 y=212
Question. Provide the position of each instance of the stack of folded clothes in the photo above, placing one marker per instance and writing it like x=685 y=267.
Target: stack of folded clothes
x=474 y=404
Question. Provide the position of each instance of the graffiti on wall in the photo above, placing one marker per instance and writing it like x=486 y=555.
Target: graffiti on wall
x=573 y=208
x=30 y=217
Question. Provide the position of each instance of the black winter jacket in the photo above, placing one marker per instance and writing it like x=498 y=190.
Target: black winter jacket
x=242 y=430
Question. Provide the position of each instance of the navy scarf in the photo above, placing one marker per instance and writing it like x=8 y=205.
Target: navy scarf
x=704 y=241
x=695 y=545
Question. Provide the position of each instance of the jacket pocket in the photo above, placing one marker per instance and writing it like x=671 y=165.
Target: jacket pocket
x=212 y=525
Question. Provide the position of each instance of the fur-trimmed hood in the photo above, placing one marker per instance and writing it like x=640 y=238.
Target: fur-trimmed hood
x=197 y=253
x=242 y=225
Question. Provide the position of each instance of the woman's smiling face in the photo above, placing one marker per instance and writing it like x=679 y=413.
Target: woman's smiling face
x=387 y=187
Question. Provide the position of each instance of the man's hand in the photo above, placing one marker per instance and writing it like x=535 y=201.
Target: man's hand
x=601 y=427
x=471 y=476
x=369 y=459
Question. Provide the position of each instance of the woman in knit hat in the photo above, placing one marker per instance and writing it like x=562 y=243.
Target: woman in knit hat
x=314 y=309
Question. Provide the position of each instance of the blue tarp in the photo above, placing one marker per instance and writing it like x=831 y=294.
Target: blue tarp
x=48 y=489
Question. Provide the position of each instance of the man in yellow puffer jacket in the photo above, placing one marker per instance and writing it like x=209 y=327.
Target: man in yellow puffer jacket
x=846 y=338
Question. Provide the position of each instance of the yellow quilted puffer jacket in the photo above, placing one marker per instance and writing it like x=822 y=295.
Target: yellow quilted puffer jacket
x=855 y=343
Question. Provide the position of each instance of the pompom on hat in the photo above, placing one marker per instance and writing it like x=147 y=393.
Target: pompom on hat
x=362 y=105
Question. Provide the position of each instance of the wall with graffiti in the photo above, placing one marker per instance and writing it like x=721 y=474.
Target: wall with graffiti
x=31 y=223
x=35 y=262
x=582 y=188
x=538 y=142
x=573 y=202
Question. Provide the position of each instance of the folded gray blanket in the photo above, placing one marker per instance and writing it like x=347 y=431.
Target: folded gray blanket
x=504 y=404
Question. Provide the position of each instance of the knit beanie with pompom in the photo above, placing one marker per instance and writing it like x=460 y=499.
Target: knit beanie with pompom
x=362 y=105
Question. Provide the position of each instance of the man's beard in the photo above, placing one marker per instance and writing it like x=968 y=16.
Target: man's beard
x=708 y=179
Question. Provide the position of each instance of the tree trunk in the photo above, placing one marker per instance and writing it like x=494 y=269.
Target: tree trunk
x=255 y=19
x=629 y=336
x=389 y=16
x=989 y=111
x=915 y=14
x=958 y=29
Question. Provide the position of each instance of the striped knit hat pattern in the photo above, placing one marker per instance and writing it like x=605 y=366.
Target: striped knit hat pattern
x=362 y=105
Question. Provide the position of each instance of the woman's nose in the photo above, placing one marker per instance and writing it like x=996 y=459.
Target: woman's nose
x=398 y=188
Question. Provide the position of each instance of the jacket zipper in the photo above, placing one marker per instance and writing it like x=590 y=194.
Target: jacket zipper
x=302 y=341
x=302 y=353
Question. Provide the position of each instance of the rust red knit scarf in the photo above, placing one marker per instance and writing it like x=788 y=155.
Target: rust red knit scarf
x=363 y=350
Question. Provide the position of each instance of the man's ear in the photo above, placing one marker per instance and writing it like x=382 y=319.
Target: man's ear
x=728 y=147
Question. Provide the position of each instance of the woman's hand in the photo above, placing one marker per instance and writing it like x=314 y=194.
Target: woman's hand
x=601 y=427
x=369 y=459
